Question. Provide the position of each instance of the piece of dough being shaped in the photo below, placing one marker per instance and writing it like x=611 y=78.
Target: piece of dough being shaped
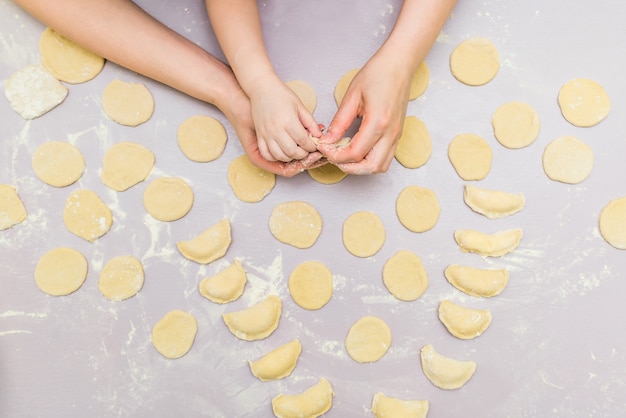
x=612 y=223
x=226 y=286
x=387 y=407
x=477 y=282
x=257 y=321
x=493 y=204
x=491 y=245
x=444 y=372
x=211 y=244
x=313 y=402
x=464 y=323
x=278 y=363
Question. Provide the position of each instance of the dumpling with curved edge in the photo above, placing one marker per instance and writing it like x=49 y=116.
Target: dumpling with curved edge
x=491 y=245
x=256 y=322
x=313 y=402
x=278 y=363
x=464 y=323
x=387 y=407
x=444 y=372
x=225 y=286
x=493 y=204
x=211 y=244
x=477 y=282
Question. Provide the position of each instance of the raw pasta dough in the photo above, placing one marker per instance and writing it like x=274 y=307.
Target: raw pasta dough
x=202 y=138
x=475 y=61
x=12 y=210
x=312 y=403
x=568 y=160
x=249 y=183
x=363 y=234
x=613 y=223
x=296 y=223
x=86 y=216
x=126 y=164
x=420 y=81
x=387 y=407
x=174 y=334
x=492 y=245
x=278 y=363
x=255 y=322
x=414 y=146
x=209 y=245
x=368 y=339
x=493 y=203
x=470 y=156
x=311 y=285
x=445 y=372
x=61 y=271
x=327 y=174
x=121 y=278
x=168 y=198
x=584 y=102
x=404 y=276
x=225 y=286
x=515 y=125
x=418 y=208
x=477 y=282
x=342 y=85
x=57 y=163
x=464 y=323
x=33 y=91
x=305 y=93
x=129 y=104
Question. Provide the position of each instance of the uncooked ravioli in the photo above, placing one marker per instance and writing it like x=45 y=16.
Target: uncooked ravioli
x=478 y=282
x=493 y=204
x=33 y=91
x=414 y=146
x=584 y=102
x=311 y=285
x=61 y=271
x=470 y=156
x=58 y=163
x=12 y=210
x=257 y=321
x=312 y=403
x=296 y=223
x=613 y=223
x=404 y=276
x=126 y=164
x=174 y=334
x=225 y=286
x=202 y=138
x=86 y=215
x=363 y=234
x=249 y=182
x=209 y=245
x=278 y=363
x=387 y=407
x=490 y=245
x=475 y=61
x=305 y=93
x=418 y=208
x=462 y=322
x=568 y=160
x=515 y=124
x=445 y=372
x=168 y=198
x=129 y=104
x=121 y=278
x=368 y=339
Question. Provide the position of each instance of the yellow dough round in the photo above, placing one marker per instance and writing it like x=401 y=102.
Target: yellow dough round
x=613 y=223
x=475 y=61
x=66 y=60
x=568 y=160
x=168 y=198
x=584 y=102
x=404 y=276
x=121 y=278
x=368 y=339
x=58 y=164
x=126 y=164
x=32 y=91
x=363 y=234
x=249 y=182
x=174 y=334
x=257 y=321
x=327 y=174
x=305 y=93
x=420 y=81
x=61 y=271
x=86 y=216
x=515 y=125
x=470 y=156
x=418 y=208
x=12 y=210
x=414 y=146
x=225 y=286
x=208 y=246
x=202 y=138
x=342 y=85
x=128 y=104
x=311 y=285
x=296 y=223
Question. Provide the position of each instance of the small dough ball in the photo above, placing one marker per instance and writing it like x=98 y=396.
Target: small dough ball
x=12 y=210
x=387 y=407
x=515 y=125
x=312 y=403
x=342 y=85
x=174 y=334
x=32 y=91
x=418 y=208
x=61 y=271
x=305 y=93
x=257 y=321
x=296 y=223
x=475 y=61
x=444 y=372
x=470 y=156
x=613 y=223
x=249 y=182
x=327 y=174
x=278 y=363
x=121 y=278
x=210 y=245
x=584 y=102
x=126 y=164
x=363 y=234
x=568 y=160
x=128 y=104
x=66 y=60
x=86 y=216
x=202 y=138
x=404 y=276
x=168 y=198
x=58 y=164
x=368 y=339
x=225 y=286
x=420 y=81
x=311 y=285
x=414 y=146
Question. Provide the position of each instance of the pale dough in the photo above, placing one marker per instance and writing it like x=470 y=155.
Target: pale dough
x=387 y=407
x=128 y=104
x=470 y=156
x=126 y=164
x=278 y=363
x=477 y=282
x=475 y=61
x=368 y=339
x=257 y=321
x=568 y=160
x=305 y=93
x=168 y=198
x=342 y=85
x=296 y=223
x=225 y=286
x=66 y=60
x=493 y=204
x=444 y=372
x=613 y=223
x=363 y=234
x=86 y=216
x=327 y=174
x=58 y=163
x=462 y=322
x=418 y=208
x=404 y=276
x=33 y=91
x=202 y=138
x=515 y=125
x=491 y=245
x=121 y=278
x=174 y=334
x=584 y=102
x=311 y=285
x=12 y=210
x=414 y=146
x=209 y=245
x=420 y=81
x=312 y=403
x=249 y=182
x=61 y=271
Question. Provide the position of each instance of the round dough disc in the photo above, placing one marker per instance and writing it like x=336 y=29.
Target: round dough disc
x=327 y=174
x=417 y=208
x=342 y=85
x=363 y=234
x=305 y=93
x=470 y=156
x=202 y=138
x=168 y=198
x=126 y=164
x=568 y=160
x=174 y=334
x=129 y=104
x=475 y=61
x=86 y=216
x=584 y=102
x=12 y=210
x=515 y=125
x=61 y=271
x=414 y=146
x=404 y=276
x=420 y=81
x=33 y=91
x=121 y=278
x=368 y=339
x=311 y=285
x=58 y=164
x=66 y=60
x=296 y=223
x=613 y=223
x=249 y=182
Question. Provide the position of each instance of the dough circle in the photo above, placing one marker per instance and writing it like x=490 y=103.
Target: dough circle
x=342 y=85
x=368 y=339
x=515 y=125
x=168 y=198
x=121 y=278
x=418 y=208
x=58 y=164
x=414 y=146
x=404 y=276
x=311 y=285
x=61 y=271
x=305 y=93
x=613 y=223
x=475 y=61
x=363 y=234
x=470 y=156
x=568 y=160
x=12 y=210
x=86 y=216
x=420 y=81
x=584 y=102
x=327 y=174
x=296 y=223
x=128 y=104
x=33 y=91
x=202 y=138
x=249 y=182
x=126 y=164
x=66 y=60
x=174 y=334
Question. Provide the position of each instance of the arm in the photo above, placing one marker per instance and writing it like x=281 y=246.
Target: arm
x=380 y=90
